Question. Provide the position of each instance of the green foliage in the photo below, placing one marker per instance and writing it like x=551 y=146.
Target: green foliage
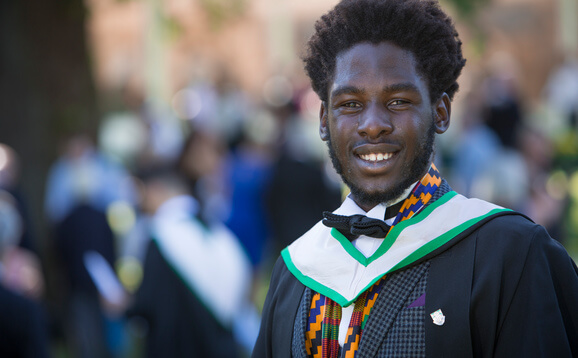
x=220 y=11
x=467 y=8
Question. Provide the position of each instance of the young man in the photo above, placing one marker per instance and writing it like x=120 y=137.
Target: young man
x=437 y=274
x=196 y=276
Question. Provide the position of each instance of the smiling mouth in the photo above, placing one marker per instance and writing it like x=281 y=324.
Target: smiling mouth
x=376 y=157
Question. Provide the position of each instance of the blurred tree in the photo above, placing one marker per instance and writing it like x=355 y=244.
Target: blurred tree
x=467 y=11
x=220 y=11
x=467 y=8
x=46 y=86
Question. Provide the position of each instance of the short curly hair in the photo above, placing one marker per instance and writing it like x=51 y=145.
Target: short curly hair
x=419 y=26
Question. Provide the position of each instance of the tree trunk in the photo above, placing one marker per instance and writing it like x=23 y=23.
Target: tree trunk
x=46 y=88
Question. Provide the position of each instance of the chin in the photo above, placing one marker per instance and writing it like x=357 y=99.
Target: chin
x=375 y=197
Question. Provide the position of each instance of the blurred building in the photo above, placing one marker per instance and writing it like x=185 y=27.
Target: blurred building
x=156 y=47
x=163 y=46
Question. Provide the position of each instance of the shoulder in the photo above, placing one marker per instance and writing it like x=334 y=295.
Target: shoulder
x=279 y=312
x=529 y=282
x=281 y=278
x=504 y=247
x=510 y=228
x=285 y=291
x=512 y=222
x=516 y=233
x=512 y=249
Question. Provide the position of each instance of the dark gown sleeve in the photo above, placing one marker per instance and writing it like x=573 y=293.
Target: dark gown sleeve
x=525 y=292
x=545 y=304
x=507 y=289
x=279 y=311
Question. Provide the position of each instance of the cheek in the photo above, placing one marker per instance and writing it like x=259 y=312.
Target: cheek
x=417 y=132
x=344 y=131
x=339 y=143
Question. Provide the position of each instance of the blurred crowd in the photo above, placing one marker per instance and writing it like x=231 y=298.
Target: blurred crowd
x=163 y=229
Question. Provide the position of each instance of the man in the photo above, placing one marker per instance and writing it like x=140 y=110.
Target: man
x=23 y=327
x=437 y=275
x=196 y=275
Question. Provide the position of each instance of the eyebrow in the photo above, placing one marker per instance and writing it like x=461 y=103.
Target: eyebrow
x=400 y=87
x=397 y=87
x=346 y=90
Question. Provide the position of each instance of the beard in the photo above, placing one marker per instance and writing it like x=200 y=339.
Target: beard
x=412 y=172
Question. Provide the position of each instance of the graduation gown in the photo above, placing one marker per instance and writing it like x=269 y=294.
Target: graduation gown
x=196 y=279
x=180 y=325
x=506 y=289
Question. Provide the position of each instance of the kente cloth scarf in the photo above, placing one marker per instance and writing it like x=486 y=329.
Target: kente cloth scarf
x=321 y=338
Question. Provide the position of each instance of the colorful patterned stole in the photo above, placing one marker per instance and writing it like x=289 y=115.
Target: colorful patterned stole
x=321 y=337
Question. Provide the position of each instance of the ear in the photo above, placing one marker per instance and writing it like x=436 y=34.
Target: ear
x=323 y=130
x=442 y=110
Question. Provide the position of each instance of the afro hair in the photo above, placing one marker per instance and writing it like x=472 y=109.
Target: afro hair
x=419 y=26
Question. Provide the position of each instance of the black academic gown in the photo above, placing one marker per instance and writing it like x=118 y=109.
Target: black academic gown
x=23 y=327
x=179 y=324
x=505 y=287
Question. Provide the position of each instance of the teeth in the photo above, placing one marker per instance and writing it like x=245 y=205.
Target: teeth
x=373 y=157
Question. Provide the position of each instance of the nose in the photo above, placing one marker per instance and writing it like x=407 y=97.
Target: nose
x=375 y=121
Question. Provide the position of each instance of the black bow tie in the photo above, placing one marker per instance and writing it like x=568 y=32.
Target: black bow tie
x=355 y=225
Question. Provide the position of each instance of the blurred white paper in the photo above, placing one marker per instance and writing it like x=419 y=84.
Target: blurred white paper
x=103 y=277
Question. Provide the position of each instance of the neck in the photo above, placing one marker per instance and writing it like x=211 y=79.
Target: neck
x=390 y=203
x=402 y=197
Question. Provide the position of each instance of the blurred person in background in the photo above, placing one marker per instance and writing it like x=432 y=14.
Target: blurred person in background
x=560 y=93
x=82 y=175
x=502 y=106
x=513 y=175
x=299 y=190
x=81 y=186
x=485 y=156
x=406 y=266
x=200 y=163
x=21 y=268
x=23 y=324
x=541 y=203
x=85 y=231
x=197 y=277
x=249 y=168
x=474 y=150
x=9 y=181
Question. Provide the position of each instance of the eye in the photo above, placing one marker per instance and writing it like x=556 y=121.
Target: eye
x=351 y=105
x=398 y=104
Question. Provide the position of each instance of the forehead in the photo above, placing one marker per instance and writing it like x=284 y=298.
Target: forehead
x=382 y=64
